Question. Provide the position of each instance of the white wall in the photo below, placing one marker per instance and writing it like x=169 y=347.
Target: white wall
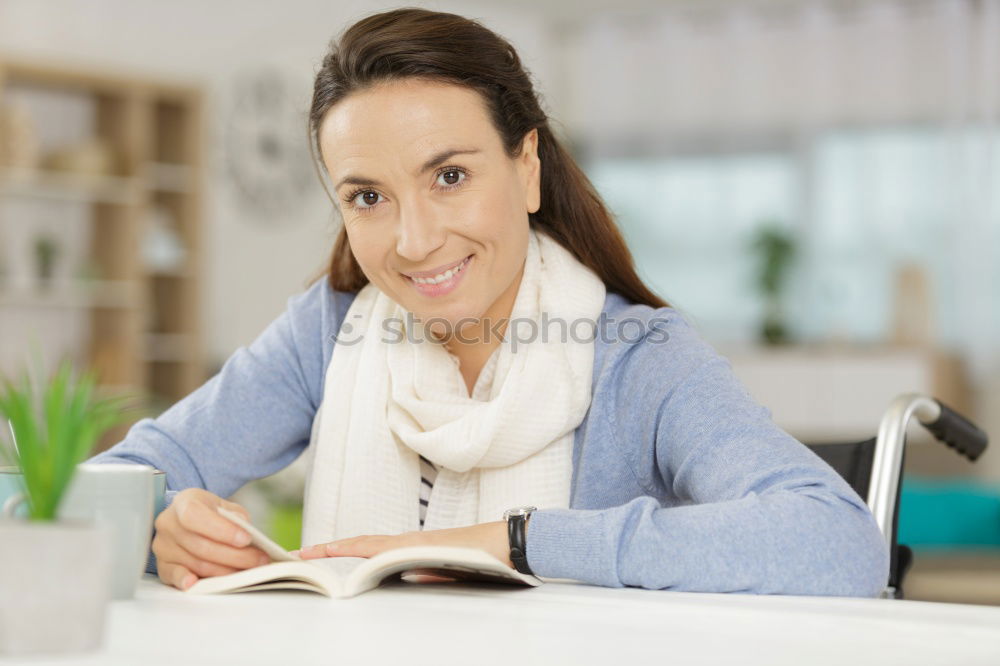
x=657 y=73
x=249 y=269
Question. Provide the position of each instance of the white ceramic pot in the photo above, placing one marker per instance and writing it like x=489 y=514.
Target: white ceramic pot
x=55 y=584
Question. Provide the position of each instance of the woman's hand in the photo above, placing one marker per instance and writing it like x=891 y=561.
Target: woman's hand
x=192 y=540
x=490 y=537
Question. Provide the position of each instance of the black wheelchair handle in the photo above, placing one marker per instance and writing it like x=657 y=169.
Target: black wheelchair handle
x=958 y=432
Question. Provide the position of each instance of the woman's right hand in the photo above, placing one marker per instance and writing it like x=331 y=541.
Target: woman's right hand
x=192 y=540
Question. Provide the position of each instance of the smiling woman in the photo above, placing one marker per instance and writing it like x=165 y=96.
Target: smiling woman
x=444 y=233
x=434 y=403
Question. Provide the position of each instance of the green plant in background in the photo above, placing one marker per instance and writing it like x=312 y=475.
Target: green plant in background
x=46 y=253
x=285 y=526
x=54 y=431
x=283 y=492
x=775 y=248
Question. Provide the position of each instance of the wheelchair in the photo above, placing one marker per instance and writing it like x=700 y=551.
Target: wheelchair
x=874 y=467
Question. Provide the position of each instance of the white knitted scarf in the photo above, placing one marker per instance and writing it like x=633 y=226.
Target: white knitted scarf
x=387 y=401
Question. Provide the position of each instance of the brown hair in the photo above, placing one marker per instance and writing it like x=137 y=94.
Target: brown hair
x=413 y=42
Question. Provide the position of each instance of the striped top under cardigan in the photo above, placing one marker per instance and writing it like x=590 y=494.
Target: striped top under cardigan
x=428 y=471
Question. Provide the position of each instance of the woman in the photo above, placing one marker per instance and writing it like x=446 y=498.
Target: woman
x=419 y=378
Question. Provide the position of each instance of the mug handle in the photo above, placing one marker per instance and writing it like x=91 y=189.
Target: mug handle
x=14 y=501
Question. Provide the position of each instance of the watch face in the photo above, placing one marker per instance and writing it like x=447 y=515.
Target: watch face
x=519 y=511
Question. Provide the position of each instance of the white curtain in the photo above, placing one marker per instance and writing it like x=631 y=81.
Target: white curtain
x=886 y=111
x=974 y=165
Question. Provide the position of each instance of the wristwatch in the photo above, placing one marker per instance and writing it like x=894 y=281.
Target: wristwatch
x=517 y=520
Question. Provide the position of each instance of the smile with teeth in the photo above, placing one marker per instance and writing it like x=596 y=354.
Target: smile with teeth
x=437 y=279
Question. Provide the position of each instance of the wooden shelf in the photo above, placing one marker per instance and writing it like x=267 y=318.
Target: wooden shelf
x=166 y=177
x=62 y=186
x=92 y=294
x=177 y=274
x=144 y=332
x=167 y=347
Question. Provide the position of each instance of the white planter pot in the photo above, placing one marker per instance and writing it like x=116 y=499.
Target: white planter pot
x=55 y=582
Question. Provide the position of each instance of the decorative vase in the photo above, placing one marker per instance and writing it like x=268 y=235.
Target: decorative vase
x=162 y=249
x=55 y=584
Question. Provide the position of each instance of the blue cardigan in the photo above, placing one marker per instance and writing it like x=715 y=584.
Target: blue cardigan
x=680 y=480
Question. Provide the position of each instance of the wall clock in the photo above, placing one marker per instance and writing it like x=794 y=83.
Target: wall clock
x=267 y=160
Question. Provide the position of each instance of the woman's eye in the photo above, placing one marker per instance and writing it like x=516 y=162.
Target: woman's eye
x=366 y=199
x=451 y=177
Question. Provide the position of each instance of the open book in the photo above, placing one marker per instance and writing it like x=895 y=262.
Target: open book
x=341 y=577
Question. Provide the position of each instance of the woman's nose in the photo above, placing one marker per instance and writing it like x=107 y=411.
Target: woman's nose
x=419 y=233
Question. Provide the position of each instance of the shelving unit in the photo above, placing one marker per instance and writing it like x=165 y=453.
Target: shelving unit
x=143 y=333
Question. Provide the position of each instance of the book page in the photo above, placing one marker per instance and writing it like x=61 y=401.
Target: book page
x=350 y=576
x=341 y=567
x=273 y=576
x=283 y=584
x=459 y=562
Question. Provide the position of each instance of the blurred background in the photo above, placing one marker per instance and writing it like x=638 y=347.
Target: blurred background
x=814 y=183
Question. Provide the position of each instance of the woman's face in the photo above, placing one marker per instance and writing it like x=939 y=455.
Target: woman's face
x=423 y=182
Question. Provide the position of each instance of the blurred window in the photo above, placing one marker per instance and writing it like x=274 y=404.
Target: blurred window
x=860 y=203
x=689 y=222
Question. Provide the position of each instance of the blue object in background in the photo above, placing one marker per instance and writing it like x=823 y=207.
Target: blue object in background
x=949 y=514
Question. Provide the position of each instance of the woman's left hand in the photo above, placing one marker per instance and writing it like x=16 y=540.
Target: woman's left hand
x=490 y=537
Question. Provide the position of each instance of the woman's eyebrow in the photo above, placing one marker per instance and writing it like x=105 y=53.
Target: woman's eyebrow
x=434 y=161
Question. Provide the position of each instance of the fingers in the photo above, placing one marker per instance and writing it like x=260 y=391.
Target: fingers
x=366 y=545
x=202 y=568
x=195 y=516
x=312 y=552
x=233 y=506
x=192 y=540
x=169 y=553
x=198 y=548
x=176 y=575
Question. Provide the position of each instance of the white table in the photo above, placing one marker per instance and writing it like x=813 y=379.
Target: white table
x=557 y=623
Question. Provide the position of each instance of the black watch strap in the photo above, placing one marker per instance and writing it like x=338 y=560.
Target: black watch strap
x=516 y=530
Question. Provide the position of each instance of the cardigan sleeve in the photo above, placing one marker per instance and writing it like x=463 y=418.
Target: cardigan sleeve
x=251 y=419
x=753 y=509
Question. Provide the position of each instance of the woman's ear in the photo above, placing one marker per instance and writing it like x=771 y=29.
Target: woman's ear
x=531 y=171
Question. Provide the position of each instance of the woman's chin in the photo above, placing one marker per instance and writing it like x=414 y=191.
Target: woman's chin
x=444 y=325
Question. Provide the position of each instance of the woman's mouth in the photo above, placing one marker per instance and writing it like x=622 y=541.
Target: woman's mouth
x=442 y=284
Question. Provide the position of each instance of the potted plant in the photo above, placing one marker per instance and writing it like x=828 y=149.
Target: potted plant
x=54 y=573
x=776 y=249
